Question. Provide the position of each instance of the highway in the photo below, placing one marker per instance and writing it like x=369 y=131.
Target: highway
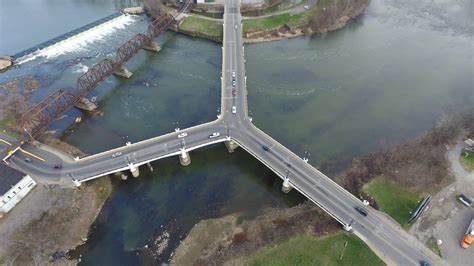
x=394 y=245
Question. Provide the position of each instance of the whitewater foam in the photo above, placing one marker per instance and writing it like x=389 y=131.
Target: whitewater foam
x=82 y=40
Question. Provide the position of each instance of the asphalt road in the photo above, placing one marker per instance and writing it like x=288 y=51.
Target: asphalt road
x=386 y=238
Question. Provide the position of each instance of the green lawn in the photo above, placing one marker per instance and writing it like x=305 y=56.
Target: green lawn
x=467 y=160
x=393 y=199
x=274 y=22
x=286 y=18
x=338 y=249
x=433 y=246
x=6 y=124
x=210 y=27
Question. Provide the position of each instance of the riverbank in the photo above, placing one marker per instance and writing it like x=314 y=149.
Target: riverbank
x=51 y=220
x=281 y=236
x=325 y=16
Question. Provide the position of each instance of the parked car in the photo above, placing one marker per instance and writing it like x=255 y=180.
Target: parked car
x=361 y=210
x=58 y=166
x=182 y=135
x=306 y=7
x=465 y=200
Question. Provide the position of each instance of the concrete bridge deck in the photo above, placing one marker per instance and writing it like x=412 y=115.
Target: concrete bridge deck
x=386 y=238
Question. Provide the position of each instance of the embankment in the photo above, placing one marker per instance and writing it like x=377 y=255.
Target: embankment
x=51 y=220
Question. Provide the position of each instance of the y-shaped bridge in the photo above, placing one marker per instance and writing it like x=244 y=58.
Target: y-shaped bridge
x=234 y=128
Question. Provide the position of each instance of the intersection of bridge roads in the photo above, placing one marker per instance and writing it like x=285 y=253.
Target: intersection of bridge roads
x=385 y=237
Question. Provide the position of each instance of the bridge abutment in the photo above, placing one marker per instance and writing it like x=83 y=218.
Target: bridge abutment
x=123 y=72
x=134 y=170
x=184 y=158
x=87 y=105
x=231 y=146
x=286 y=187
x=152 y=47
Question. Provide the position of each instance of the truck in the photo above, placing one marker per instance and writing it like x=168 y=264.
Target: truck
x=469 y=236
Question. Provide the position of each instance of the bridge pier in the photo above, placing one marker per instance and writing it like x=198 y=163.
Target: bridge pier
x=152 y=47
x=150 y=167
x=184 y=158
x=286 y=185
x=231 y=146
x=86 y=105
x=76 y=182
x=134 y=170
x=123 y=72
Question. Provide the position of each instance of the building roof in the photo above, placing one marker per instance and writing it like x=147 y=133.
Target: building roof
x=8 y=178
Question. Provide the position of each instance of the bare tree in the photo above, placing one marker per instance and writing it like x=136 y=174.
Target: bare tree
x=154 y=8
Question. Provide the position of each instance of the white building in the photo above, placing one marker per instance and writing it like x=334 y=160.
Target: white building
x=14 y=186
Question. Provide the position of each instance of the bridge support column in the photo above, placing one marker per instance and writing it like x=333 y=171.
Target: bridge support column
x=134 y=170
x=286 y=185
x=123 y=72
x=152 y=47
x=76 y=182
x=231 y=146
x=184 y=158
x=86 y=105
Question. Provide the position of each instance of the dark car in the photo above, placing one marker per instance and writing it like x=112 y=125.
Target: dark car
x=361 y=210
x=58 y=166
x=265 y=148
x=424 y=263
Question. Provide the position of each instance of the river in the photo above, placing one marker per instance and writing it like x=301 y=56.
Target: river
x=386 y=77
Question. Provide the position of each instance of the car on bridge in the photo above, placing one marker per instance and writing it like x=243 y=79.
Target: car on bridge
x=214 y=135
x=361 y=210
x=233 y=74
x=182 y=135
x=116 y=154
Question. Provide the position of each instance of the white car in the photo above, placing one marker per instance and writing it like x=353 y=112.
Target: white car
x=234 y=110
x=182 y=135
x=116 y=154
x=214 y=135
x=306 y=7
x=235 y=26
x=233 y=83
x=233 y=74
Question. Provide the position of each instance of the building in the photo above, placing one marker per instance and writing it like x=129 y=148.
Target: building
x=14 y=186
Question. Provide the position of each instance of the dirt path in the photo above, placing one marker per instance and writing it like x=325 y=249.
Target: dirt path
x=446 y=219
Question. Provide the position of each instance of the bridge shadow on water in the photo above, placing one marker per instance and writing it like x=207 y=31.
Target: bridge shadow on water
x=169 y=201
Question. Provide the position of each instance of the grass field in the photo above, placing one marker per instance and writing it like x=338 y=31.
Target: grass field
x=433 y=246
x=282 y=19
x=393 y=199
x=467 y=161
x=209 y=27
x=338 y=249
x=274 y=22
